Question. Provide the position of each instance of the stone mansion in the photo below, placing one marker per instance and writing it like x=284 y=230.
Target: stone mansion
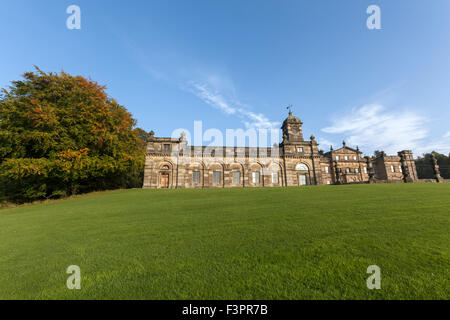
x=171 y=163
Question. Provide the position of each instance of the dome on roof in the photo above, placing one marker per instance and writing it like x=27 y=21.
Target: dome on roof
x=292 y=119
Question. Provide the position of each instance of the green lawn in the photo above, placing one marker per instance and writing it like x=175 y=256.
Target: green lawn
x=273 y=243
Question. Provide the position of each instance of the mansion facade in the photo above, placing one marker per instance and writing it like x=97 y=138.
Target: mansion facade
x=171 y=163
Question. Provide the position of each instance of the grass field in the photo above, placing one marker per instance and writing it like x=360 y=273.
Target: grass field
x=273 y=243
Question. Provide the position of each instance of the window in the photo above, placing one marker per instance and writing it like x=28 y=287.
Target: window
x=255 y=177
x=365 y=169
x=346 y=157
x=274 y=177
x=216 y=177
x=400 y=169
x=355 y=158
x=165 y=167
x=347 y=170
x=167 y=148
x=337 y=157
x=196 y=176
x=356 y=170
x=236 y=177
x=301 y=167
x=327 y=169
x=299 y=149
x=392 y=168
x=328 y=182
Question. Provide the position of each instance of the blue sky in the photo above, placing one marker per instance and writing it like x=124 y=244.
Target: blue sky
x=238 y=64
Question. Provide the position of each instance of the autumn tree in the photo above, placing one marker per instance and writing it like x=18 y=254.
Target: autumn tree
x=62 y=135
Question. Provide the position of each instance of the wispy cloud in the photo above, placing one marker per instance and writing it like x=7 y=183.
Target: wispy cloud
x=441 y=145
x=214 y=89
x=374 y=127
x=324 y=143
x=230 y=106
x=214 y=99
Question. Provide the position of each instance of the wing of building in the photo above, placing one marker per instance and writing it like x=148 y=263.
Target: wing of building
x=171 y=163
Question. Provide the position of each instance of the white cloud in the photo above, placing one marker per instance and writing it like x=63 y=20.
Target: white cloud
x=441 y=145
x=325 y=144
x=230 y=106
x=373 y=127
x=214 y=99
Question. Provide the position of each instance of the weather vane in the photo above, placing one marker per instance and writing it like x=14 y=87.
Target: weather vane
x=289 y=107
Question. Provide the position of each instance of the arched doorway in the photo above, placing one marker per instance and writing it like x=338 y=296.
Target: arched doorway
x=164 y=180
x=302 y=174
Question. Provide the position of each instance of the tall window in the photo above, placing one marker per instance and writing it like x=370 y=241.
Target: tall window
x=216 y=177
x=392 y=168
x=327 y=169
x=347 y=170
x=274 y=177
x=255 y=177
x=356 y=170
x=167 y=148
x=355 y=158
x=365 y=170
x=236 y=177
x=196 y=176
x=346 y=157
x=337 y=157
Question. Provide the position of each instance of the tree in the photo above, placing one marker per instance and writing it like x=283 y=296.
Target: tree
x=61 y=135
x=424 y=165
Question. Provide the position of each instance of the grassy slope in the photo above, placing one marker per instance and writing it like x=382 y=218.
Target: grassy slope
x=274 y=243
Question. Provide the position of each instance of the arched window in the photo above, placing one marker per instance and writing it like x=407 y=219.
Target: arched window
x=165 y=167
x=301 y=167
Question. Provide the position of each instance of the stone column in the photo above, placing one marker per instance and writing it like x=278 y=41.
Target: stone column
x=436 y=171
x=313 y=141
x=405 y=169
x=337 y=172
x=370 y=170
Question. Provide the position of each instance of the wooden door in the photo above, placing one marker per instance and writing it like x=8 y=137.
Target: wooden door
x=164 y=180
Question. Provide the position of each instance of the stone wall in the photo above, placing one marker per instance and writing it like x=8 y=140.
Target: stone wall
x=171 y=163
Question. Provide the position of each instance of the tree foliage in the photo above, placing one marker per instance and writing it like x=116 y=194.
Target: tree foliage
x=425 y=166
x=61 y=135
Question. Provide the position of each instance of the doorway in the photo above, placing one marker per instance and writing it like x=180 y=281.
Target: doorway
x=302 y=180
x=164 y=180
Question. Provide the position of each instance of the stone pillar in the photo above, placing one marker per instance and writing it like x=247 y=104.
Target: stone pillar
x=408 y=166
x=405 y=169
x=284 y=166
x=313 y=142
x=337 y=172
x=436 y=171
x=370 y=170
